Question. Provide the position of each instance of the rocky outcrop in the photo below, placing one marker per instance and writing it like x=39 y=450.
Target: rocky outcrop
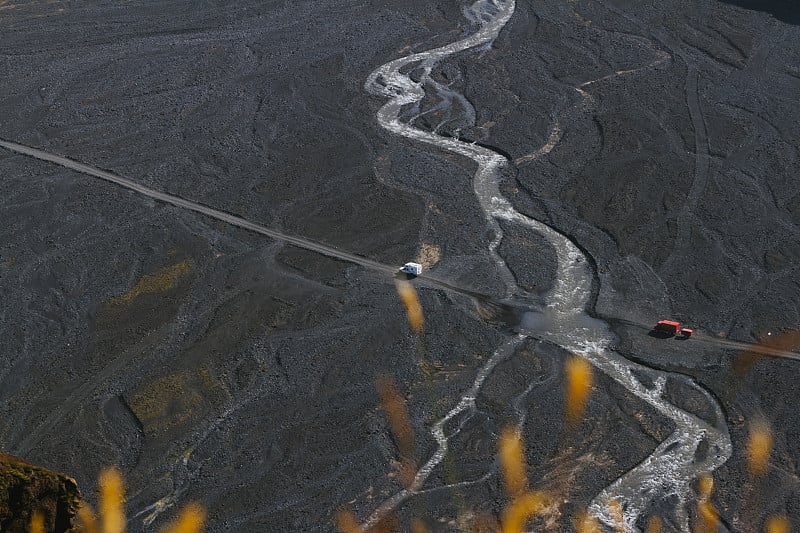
x=25 y=489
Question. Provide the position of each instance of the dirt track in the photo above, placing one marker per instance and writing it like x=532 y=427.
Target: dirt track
x=248 y=382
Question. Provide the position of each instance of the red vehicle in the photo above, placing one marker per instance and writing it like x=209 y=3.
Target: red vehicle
x=672 y=327
x=668 y=326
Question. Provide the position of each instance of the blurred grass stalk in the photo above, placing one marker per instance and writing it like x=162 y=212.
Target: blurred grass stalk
x=707 y=515
x=759 y=448
x=578 y=388
x=653 y=525
x=617 y=515
x=777 y=524
x=410 y=300
x=524 y=504
x=586 y=523
x=112 y=496
x=37 y=522
x=112 y=510
x=394 y=406
x=512 y=459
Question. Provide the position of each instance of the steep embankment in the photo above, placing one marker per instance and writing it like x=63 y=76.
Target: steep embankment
x=25 y=489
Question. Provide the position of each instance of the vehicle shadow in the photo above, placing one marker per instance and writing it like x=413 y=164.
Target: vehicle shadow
x=656 y=334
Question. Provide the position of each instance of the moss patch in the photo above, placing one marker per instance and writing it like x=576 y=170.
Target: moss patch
x=25 y=488
x=159 y=281
x=166 y=402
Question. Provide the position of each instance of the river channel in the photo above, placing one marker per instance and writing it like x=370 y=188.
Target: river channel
x=564 y=320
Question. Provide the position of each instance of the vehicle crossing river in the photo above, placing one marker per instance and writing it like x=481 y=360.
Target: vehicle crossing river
x=564 y=320
x=671 y=469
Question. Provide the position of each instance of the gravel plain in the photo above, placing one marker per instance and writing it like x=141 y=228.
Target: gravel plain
x=216 y=365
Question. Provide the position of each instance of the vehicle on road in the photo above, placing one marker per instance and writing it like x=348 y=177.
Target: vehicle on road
x=412 y=269
x=672 y=327
x=668 y=326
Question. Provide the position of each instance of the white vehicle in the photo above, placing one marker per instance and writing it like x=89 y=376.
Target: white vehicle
x=415 y=269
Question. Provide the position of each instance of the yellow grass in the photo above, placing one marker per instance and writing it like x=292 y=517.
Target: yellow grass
x=522 y=508
x=86 y=517
x=653 y=525
x=394 y=406
x=347 y=522
x=705 y=486
x=418 y=526
x=160 y=281
x=759 y=448
x=387 y=524
x=112 y=510
x=408 y=295
x=512 y=459
x=37 y=522
x=524 y=504
x=785 y=342
x=707 y=515
x=777 y=524
x=586 y=523
x=190 y=520
x=615 y=508
x=579 y=385
x=111 y=500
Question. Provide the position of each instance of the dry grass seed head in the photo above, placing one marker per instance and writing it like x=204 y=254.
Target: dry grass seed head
x=783 y=342
x=522 y=509
x=653 y=525
x=759 y=448
x=707 y=517
x=387 y=524
x=191 y=520
x=586 y=523
x=394 y=406
x=579 y=385
x=346 y=521
x=777 y=524
x=111 y=501
x=512 y=460
x=418 y=526
x=485 y=523
x=406 y=471
x=86 y=518
x=37 y=522
x=410 y=300
x=617 y=515
x=705 y=486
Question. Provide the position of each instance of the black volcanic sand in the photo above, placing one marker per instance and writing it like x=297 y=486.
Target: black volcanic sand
x=211 y=364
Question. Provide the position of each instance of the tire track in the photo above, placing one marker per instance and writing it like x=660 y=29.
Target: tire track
x=85 y=389
x=701 y=166
x=428 y=280
x=177 y=201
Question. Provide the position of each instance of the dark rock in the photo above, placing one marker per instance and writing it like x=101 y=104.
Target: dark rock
x=26 y=489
